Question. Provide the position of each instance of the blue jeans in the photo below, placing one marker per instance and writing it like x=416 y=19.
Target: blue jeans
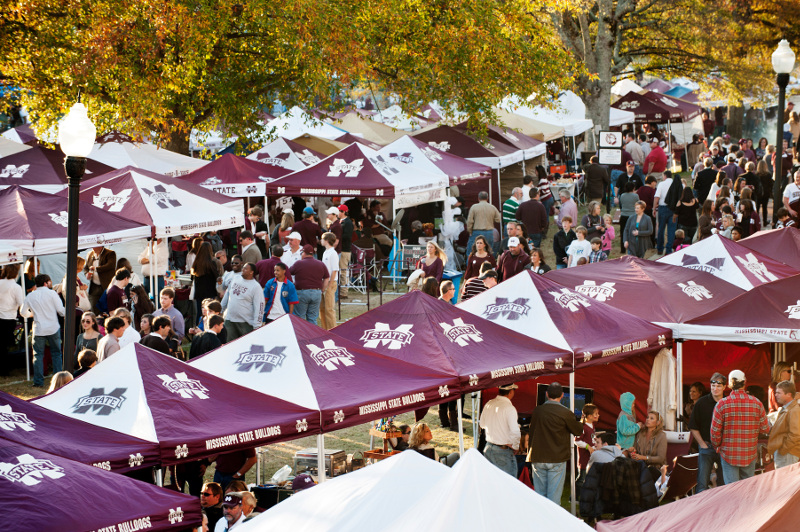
x=160 y=285
x=223 y=479
x=783 y=460
x=308 y=304
x=39 y=342
x=665 y=219
x=502 y=458
x=734 y=473
x=706 y=458
x=548 y=480
x=548 y=203
x=560 y=266
x=488 y=235
x=536 y=238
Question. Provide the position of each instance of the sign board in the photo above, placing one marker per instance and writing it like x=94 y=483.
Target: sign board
x=610 y=139
x=609 y=156
x=412 y=254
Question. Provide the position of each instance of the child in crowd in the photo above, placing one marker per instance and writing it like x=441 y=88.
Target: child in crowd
x=680 y=240
x=736 y=233
x=579 y=248
x=784 y=220
x=562 y=241
x=609 y=235
x=590 y=415
x=582 y=261
x=597 y=254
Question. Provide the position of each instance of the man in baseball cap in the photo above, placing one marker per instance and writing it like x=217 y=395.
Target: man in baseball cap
x=231 y=511
x=513 y=260
x=738 y=420
x=309 y=230
x=335 y=226
x=311 y=278
x=499 y=419
x=292 y=252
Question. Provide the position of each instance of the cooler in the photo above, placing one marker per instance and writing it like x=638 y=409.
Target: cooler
x=305 y=460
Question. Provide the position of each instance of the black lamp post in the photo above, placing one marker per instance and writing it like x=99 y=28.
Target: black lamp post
x=76 y=134
x=782 y=64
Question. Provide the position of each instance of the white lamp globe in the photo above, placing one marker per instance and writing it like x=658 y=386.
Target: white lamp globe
x=783 y=58
x=76 y=133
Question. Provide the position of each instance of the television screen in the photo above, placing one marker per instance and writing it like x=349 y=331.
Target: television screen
x=582 y=396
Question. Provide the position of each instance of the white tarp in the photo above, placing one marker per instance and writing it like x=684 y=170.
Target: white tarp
x=280 y=153
x=10 y=147
x=472 y=496
x=10 y=254
x=296 y=122
x=417 y=154
x=569 y=113
x=618 y=117
x=624 y=86
x=145 y=156
x=394 y=117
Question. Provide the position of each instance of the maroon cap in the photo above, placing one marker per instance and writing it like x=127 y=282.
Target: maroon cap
x=302 y=481
x=231 y=500
x=308 y=250
x=343 y=208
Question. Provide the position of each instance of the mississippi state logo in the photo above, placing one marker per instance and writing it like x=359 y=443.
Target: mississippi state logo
x=258 y=359
x=29 y=470
x=14 y=171
x=570 y=300
x=175 y=516
x=507 y=134
x=338 y=416
x=431 y=154
x=757 y=268
x=106 y=199
x=793 y=311
x=340 y=166
x=695 y=291
x=384 y=166
x=184 y=386
x=135 y=460
x=163 y=197
x=403 y=157
x=441 y=146
x=461 y=333
x=601 y=292
x=181 y=451
x=301 y=425
x=388 y=337
x=511 y=310
x=307 y=157
x=61 y=218
x=629 y=105
x=10 y=420
x=278 y=160
x=264 y=179
x=211 y=181
x=712 y=266
x=100 y=402
x=330 y=356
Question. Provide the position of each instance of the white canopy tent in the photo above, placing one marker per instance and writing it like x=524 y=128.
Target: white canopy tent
x=296 y=122
x=569 y=113
x=619 y=117
x=624 y=86
x=10 y=147
x=394 y=117
x=472 y=496
x=118 y=150
x=285 y=153
x=10 y=254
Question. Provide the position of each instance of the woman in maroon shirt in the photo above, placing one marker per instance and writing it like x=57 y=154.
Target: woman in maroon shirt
x=480 y=254
x=432 y=264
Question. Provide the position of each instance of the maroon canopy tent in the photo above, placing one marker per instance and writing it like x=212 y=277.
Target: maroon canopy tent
x=781 y=244
x=41 y=169
x=348 y=384
x=768 y=502
x=530 y=146
x=659 y=293
x=459 y=170
x=191 y=414
x=29 y=424
x=235 y=176
x=41 y=491
x=426 y=331
x=659 y=85
x=547 y=311
x=767 y=313
x=654 y=107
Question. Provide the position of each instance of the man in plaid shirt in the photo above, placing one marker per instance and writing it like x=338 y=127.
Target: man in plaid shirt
x=737 y=422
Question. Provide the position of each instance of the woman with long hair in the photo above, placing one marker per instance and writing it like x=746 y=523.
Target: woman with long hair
x=764 y=175
x=204 y=275
x=747 y=218
x=432 y=264
x=650 y=445
x=430 y=286
x=420 y=441
x=146 y=325
x=761 y=150
x=593 y=220
x=717 y=184
x=141 y=304
x=90 y=334
x=590 y=414
x=538 y=262
x=480 y=254
x=285 y=227
x=191 y=256
x=11 y=298
x=686 y=214
x=545 y=194
x=59 y=379
x=781 y=372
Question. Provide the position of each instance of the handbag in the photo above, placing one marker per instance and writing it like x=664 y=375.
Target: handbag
x=83 y=301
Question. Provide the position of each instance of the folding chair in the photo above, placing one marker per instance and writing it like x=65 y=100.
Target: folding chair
x=360 y=270
x=683 y=478
x=678 y=444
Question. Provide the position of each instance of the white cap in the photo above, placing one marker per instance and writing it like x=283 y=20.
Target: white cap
x=509 y=387
x=513 y=242
x=736 y=375
x=288 y=210
x=332 y=210
x=294 y=235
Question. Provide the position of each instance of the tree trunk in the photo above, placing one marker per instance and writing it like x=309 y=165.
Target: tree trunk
x=735 y=122
x=597 y=97
x=175 y=140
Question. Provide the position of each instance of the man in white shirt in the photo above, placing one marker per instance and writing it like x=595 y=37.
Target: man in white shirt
x=155 y=261
x=635 y=151
x=791 y=194
x=644 y=144
x=664 y=216
x=229 y=277
x=331 y=261
x=45 y=306
x=292 y=252
x=499 y=419
x=130 y=335
x=232 y=513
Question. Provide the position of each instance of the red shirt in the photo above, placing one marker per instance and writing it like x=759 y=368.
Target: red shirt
x=647 y=194
x=658 y=158
x=309 y=232
x=737 y=422
x=309 y=274
x=336 y=229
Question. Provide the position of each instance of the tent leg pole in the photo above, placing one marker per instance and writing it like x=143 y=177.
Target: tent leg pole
x=460 y=428
x=670 y=156
x=321 y=458
x=25 y=322
x=572 y=496
x=523 y=168
x=679 y=380
x=499 y=194
x=258 y=465
x=159 y=477
x=476 y=430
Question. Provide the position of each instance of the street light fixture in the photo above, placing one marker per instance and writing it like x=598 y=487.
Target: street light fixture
x=782 y=64
x=76 y=134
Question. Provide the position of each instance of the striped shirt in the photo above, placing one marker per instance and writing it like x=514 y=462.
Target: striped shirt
x=737 y=422
x=510 y=210
x=473 y=287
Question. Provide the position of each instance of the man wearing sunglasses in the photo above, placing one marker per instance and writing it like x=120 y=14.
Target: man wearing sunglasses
x=211 y=502
x=700 y=427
